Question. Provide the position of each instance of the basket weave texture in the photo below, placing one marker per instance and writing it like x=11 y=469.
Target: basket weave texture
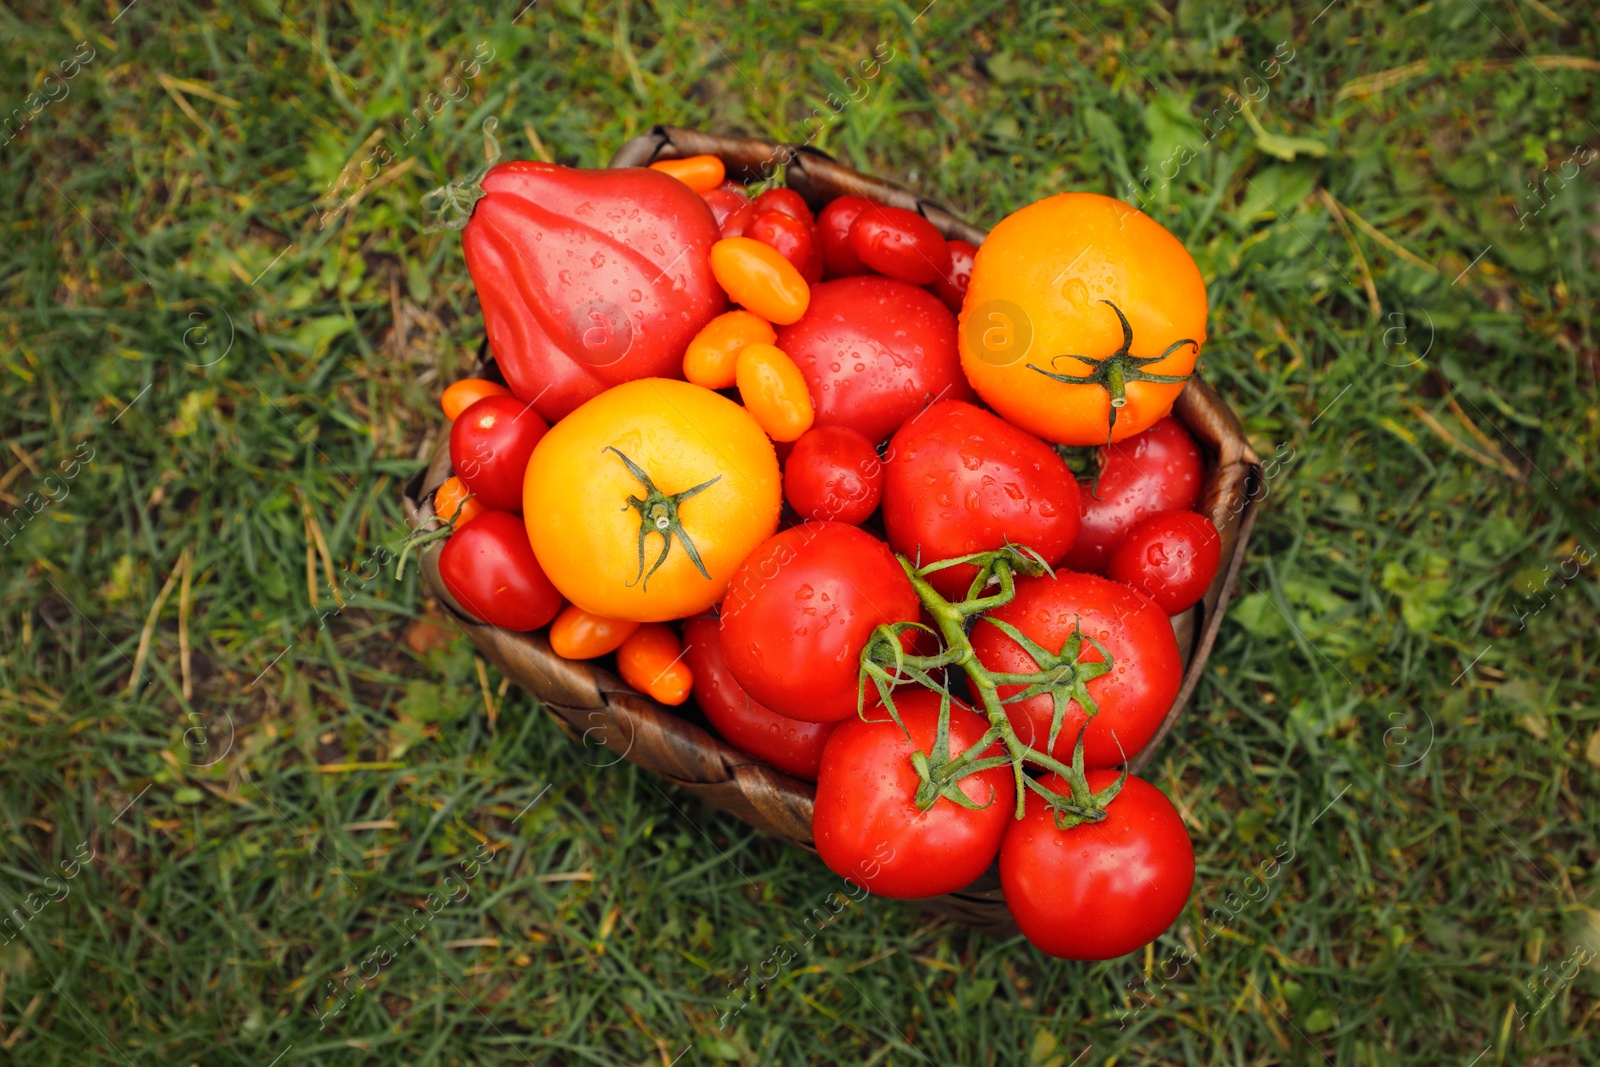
x=594 y=705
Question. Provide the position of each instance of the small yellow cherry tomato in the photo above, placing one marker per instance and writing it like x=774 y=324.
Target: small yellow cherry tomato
x=454 y=499
x=461 y=395
x=713 y=355
x=700 y=173
x=651 y=660
x=774 y=391
x=757 y=277
x=579 y=634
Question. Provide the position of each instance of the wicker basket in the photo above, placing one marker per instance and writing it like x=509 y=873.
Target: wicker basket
x=597 y=706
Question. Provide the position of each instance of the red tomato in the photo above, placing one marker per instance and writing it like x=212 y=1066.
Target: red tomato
x=788 y=744
x=875 y=352
x=786 y=201
x=952 y=288
x=1133 y=697
x=800 y=610
x=866 y=824
x=730 y=208
x=834 y=222
x=1170 y=558
x=1099 y=890
x=959 y=480
x=898 y=243
x=489 y=448
x=834 y=473
x=795 y=239
x=1151 y=472
x=488 y=566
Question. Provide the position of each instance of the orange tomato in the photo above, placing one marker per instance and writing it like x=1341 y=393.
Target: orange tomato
x=774 y=391
x=461 y=395
x=454 y=499
x=651 y=660
x=757 y=277
x=713 y=355
x=1083 y=319
x=700 y=173
x=579 y=634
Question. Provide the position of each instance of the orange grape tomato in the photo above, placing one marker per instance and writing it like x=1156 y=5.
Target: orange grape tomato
x=700 y=173
x=579 y=634
x=651 y=660
x=774 y=391
x=454 y=499
x=757 y=277
x=459 y=396
x=713 y=354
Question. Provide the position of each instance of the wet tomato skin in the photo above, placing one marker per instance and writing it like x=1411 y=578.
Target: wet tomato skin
x=899 y=243
x=833 y=473
x=490 y=443
x=1153 y=471
x=833 y=223
x=795 y=239
x=785 y=201
x=489 y=568
x=1170 y=558
x=952 y=288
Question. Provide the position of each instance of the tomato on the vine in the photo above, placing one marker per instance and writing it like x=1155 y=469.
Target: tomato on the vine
x=1170 y=558
x=1099 y=889
x=1152 y=472
x=490 y=443
x=866 y=823
x=489 y=569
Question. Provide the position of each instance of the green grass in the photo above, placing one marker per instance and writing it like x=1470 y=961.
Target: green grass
x=1401 y=710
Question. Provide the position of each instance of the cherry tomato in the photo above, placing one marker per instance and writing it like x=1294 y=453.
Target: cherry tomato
x=898 y=243
x=1099 y=890
x=875 y=352
x=959 y=480
x=756 y=276
x=712 y=358
x=1149 y=473
x=730 y=208
x=1132 y=698
x=866 y=823
x=834 y=223
x=786 y=201
x=800 y=610
x=952 y=288
x=461 y=395
x=790 y=745
x=579 y=634
x=700 y=173
x=795 y=239
x=1170 y=558
x=454 y=499
x=833 y=473
x=490 y=569
x=489 y=448
x=774 y=391
x=651 y=660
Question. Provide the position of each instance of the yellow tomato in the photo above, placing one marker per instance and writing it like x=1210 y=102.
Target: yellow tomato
x=1083 y=319
x=713 y=356
x=643 y=502
x=774 y=391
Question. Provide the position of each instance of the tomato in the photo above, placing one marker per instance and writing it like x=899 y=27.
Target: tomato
x=756 y=276
x=801 y=609
x=958 y=480
x=833 y=224
x=491 y=572
x=952 y=288
x=1170 y=558
x=1132 y=698
x=1098 y=890
x=453 y=500
x=700 y=173
x=785 y=201
x=866 y=823
x=875 y=352
x=899 y=243
x=579 y=634
x=642 y=503
x=1083 y=319
x=712 y=358
x=651 y=660
x=730 y=208
x=790 y=745
x=794 y=239
x=833 y=473
x=461 y=395
x=1156 y=471
x=489 y=448
x=773 y=391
